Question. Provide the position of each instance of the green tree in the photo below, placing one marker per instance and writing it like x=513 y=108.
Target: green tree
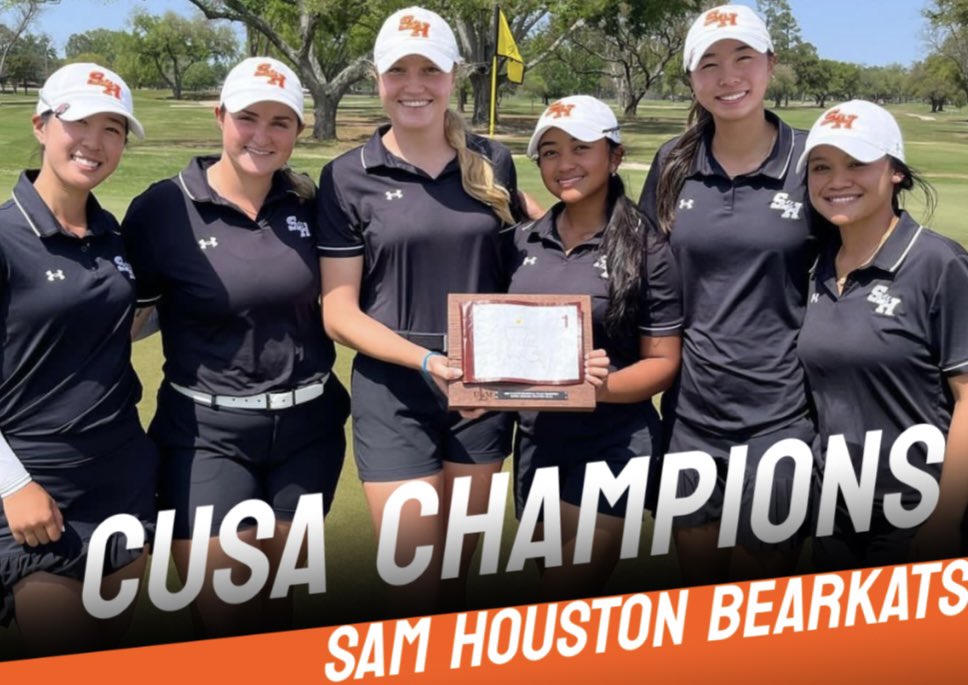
x=172 y=44
x=937 y=81
x=782 y=24
x=17 y=16
x=783 y=85
x=884 y=84
x=636 y=43
x=103 y=43
x=949 y=34
x=325 y=41
x=30 y=60
x=847 y=79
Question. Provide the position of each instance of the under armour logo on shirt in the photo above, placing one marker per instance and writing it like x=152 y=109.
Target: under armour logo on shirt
x=790 y=209
x=884 y=301
x=529 y=261
x=55 y=275
x=123 y=266
x=295 y=225
x=814 y=298
x=205 y=244
x=398 y=194
x=685 y=204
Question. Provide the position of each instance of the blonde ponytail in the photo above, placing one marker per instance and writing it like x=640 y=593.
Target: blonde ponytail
x=476 y=172
x=302 y=185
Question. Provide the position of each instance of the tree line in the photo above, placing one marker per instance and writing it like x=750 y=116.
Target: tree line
x=628 y=51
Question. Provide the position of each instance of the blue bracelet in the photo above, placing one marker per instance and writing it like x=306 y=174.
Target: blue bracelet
x=423 y=364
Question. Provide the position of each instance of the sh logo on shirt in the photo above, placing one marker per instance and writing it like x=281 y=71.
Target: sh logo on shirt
x=295 y=224
x=789 y=208
x=123 y=266
x=886 y=304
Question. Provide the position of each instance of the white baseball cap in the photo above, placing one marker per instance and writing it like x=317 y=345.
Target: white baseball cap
x=580 y=116
x=738 y=22
x=415 y=31
x=862 y=129
x=84 y=89
x=262 y=79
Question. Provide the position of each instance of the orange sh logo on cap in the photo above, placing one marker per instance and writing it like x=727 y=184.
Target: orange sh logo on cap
x=96 y=78
x=559 y=109
x=837 y=120
x=275 y=78
x=416 y=28
x=723 y=19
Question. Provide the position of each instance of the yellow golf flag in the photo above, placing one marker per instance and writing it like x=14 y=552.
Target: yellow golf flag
x=506 y=47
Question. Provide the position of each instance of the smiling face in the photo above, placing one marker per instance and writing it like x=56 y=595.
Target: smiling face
x=80 y=154
x=576 y=171
x=415 y=93
x=848 y=192
x=731 y=80
x=258 y=139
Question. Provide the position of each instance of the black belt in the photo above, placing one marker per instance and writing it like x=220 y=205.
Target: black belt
x=432 y=341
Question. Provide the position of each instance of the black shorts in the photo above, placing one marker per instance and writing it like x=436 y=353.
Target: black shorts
x=222 y=456
x=109 y=471
x=571 y=457
x=402 y=429
x=686 y=438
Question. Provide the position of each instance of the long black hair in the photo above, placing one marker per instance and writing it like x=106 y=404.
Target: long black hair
x=913 y=179
x=624 y=244
x=678 y=163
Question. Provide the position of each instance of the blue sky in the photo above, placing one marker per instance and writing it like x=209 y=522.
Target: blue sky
x=864 y=31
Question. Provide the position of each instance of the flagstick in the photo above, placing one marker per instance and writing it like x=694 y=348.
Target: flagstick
x=490 y=132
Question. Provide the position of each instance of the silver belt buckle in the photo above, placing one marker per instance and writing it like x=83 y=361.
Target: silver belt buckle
x=280 y=400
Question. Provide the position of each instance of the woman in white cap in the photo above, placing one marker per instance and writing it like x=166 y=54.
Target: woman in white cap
x=407 y=218
x=72 y=451
x=885 y=347
x=595 y=241
x=248 y=408
x=727 y=193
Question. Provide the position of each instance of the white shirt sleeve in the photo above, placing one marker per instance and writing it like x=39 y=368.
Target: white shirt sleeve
x=13 y=475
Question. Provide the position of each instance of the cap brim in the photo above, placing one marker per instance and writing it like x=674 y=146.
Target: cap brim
x=80 y=109
x=707 y=42
x=578 y=130
x=859 y=149
x=239 y=101
x=438 y=57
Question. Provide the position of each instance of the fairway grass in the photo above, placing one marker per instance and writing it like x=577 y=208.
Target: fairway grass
x=178 y=130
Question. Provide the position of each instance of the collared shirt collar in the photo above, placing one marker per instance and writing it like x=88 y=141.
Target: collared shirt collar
x=898 y=244
x=546 y=228
x=775 y=166
x=194 y=182
x=374 y=154
x=43 y=222
x=888 y=258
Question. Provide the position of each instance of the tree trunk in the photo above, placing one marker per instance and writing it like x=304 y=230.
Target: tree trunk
x=325 y=104
x=630 y=104
x=481 y=86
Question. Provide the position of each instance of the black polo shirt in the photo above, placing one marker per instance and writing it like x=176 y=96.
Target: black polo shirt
x=66 y=305
x=238 y=299
x=540 y=266
x=420 y=237
x=879 y=356
x=744 y=248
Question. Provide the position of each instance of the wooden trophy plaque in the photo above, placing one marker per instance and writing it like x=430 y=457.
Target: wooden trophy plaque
x=520 y=352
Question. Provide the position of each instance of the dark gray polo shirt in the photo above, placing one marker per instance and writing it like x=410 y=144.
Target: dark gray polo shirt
x=66 y=305
x=238 y=299
x=420 y=237
x=540 y=266
x=879 y=356
x=744 y=248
